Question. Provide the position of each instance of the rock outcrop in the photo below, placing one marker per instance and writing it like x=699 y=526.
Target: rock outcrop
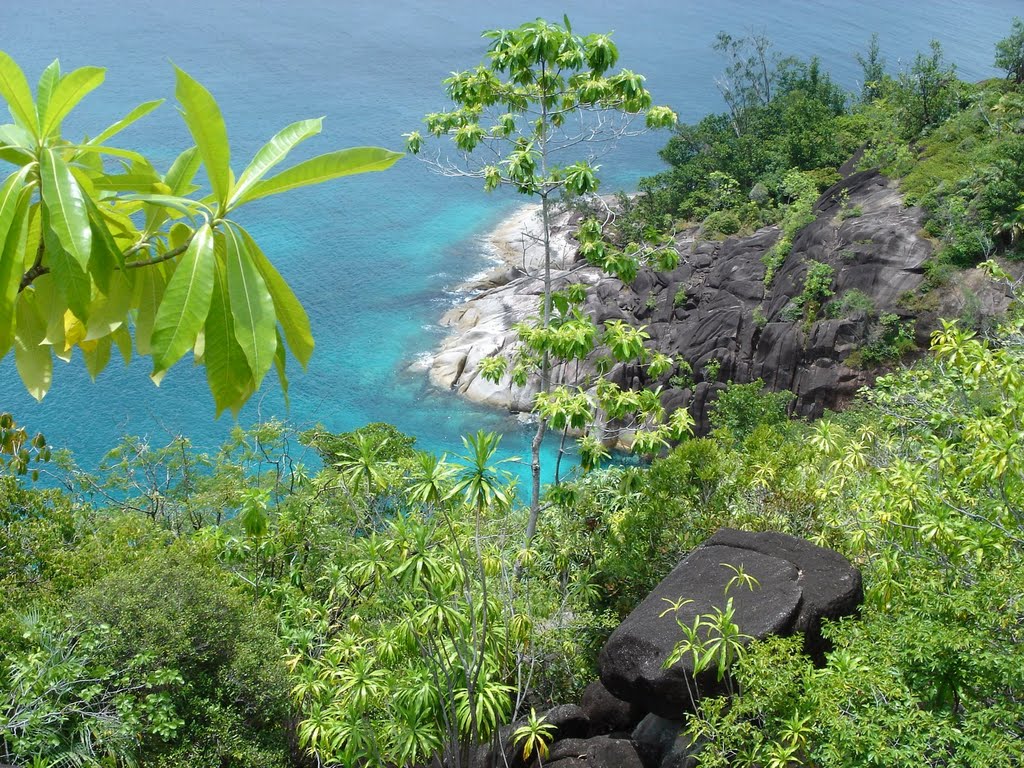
x=635 y=715
x=715 y=306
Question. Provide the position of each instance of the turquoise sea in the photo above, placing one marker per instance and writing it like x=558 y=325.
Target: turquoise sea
x=373 y=258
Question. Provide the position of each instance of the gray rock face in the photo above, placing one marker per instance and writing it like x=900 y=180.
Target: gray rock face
x=797 y=585
x=632 y=661
x=830 y=586
x=728 y=313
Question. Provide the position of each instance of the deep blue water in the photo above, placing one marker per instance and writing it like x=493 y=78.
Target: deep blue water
x=372 y=257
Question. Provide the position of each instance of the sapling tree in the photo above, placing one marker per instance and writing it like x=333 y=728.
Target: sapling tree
x=99 y=249
x=534 y=117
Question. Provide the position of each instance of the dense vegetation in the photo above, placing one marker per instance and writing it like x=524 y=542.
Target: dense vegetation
x=304 y=599
x=957 y=148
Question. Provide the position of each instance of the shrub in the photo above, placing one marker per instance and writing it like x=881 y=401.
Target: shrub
x=722 y=223
x=172 y=612
x=742 y=408
x=851 y=302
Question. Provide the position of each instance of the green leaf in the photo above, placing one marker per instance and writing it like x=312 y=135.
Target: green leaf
x=333 y=165
x=33 y=361
x=70 y=277
x=185 y=304
x=280 y=364
x=289 y=311
x=65 y=205
x=182 y=205
x=105 y=256
x=17 y=137
x=150 y=286
x=251 y=307
x=142 y=183
x=98 y=149
x=205 y=123
x=123 y=339
x=14 y=88
x=97 y=356
x=136 y=114
x=109 y=312
x=227 y=372
x=183 y=170
x=71 y=89
x=13 y=237
x=272 y=153
x=48 y=82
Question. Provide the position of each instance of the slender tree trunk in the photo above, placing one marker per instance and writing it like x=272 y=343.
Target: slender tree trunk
x=545 y=368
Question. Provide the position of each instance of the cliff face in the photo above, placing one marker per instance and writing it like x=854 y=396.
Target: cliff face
x=715 y=306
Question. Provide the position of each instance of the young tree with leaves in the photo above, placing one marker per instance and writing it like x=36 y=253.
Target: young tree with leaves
x=531 y=118
x=88 y=251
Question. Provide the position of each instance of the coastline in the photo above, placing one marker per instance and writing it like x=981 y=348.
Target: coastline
x=483 y=324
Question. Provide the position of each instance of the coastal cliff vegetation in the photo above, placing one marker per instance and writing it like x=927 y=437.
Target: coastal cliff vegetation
x=305 y=598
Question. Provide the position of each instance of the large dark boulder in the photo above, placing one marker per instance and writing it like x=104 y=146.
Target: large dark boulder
x=607 y=713
x=598 y=752
x=798 y=584
x=830 y=586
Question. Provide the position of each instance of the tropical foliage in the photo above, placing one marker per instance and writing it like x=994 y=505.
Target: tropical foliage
x=100 y=250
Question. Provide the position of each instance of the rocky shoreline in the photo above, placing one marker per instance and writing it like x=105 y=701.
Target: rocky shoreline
x=483 y=325
x=714 y=315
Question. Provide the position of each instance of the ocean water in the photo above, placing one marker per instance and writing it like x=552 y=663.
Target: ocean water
x=373 y=258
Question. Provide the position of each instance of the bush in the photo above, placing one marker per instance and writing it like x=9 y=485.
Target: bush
x=852 y=302
x=742 y=408
x=722 y=223
x=172 y=612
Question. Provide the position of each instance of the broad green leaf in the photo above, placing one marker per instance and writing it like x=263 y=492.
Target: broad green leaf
x=96 y=356
x=290 y=314
x=71 y=89
x=272 y=153
x=109 y=312
x=125 y=154
x=251 y=307
x=15 y=144
x=15 y=156
x=139 y=112
x=16 y=136
x=179 y=180
x=333 y=165
x=227 y=371
x=47 y=84
x=69 y=275
x=123 y=339
x=182 y=205
x=183 y=170
x=186 y=302
x=105 y=256
x=33 y=361
x=150 y=285
x=142 y=183
x=205 y=123
x=52 y=308
x=14 y=88
x=14 y=203
x=65 y=206
x=280 y=363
